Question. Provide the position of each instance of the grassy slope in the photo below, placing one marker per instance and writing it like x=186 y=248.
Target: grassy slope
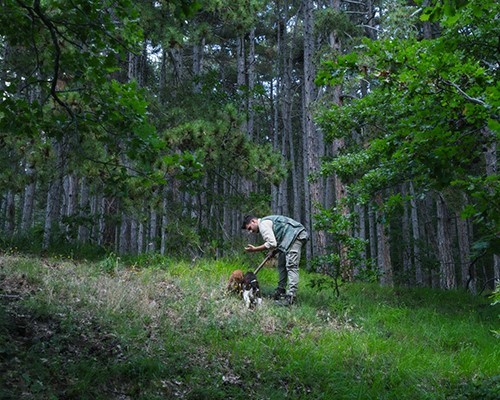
x=101 y=331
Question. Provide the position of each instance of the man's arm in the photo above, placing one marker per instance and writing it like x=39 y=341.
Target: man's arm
x=267 y=233
x=251 y=248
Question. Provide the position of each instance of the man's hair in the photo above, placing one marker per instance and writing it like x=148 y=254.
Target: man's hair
x=246 y=220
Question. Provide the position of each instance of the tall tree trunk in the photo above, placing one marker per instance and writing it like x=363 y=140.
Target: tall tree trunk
x=141 y=232
x=490 y=156
x=69 y=201
x=372 y=229
x=294 y=143
x=94 y=212
x=297 y=193
x=274 y=99
x=406 y=242
x=227 y=214
x=446 y=262
x=415 y=228
x=53 y=209
x=84 y=210
x=340 y=195
x=283 y=117
x=335 y=45
x=164 y=221
x=175 y=54
x=110 y=232
x=101 y=212
x=163 y=78
x=28 y=200
x=197 y=64
x=133 y=236
x=360 y=233
x=10 y=214
x=371 y=12
x=241 y=78
x=466 y=273
x=124 y=235
x=153 y=228
x=244 y=96
x=384 y=250
x=312 y=145
x=251 y=82
x=3 y=213
x=431 y=244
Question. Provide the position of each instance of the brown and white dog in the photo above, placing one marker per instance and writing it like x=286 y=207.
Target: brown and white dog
x=246 y=286
x=251 y=290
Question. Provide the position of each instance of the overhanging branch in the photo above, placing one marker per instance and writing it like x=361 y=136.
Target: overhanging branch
x=37 y=11
x=465 y=95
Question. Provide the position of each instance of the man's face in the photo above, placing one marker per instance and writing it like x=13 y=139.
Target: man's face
x=253 y=226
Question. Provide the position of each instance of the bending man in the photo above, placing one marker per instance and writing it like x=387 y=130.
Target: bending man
x=287 y=236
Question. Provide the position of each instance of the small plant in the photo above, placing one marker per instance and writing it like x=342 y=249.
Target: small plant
x=110 y=264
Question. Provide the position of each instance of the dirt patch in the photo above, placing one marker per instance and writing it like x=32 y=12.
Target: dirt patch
x=40 y=353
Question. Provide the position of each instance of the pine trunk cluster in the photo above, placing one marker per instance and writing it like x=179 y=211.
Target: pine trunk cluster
x=268 y=67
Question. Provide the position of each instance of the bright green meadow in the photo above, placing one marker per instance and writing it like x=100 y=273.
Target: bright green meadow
x=164 y=329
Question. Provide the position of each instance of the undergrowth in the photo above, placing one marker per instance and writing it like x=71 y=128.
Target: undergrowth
x=154 y=328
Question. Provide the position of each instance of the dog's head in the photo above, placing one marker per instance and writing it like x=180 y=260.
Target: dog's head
x=251 y=290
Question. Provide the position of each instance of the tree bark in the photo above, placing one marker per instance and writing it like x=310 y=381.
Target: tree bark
x=153 y=228
x=133 y=236
x=372 y=229
x=124 y=235
x=431 y=242
x=84 y=210
x=10 y=214
x=52 y=211
x=251 y=82
x=312 y=145
x=197 y=64
x=28 y=200
x=140 y=234
x=53 y=208
x=360 y=233
x=446 y=262
x=69 y=201
x=415 y=227
x=384 y=250
x=490 y=157
x=164 y=221
x=467 y=274
x=406 y=243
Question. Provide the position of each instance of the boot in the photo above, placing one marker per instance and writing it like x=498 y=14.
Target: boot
x=279 y=293
x=286 y=300
x=290 y=298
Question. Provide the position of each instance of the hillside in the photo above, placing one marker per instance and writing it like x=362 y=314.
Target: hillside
x=164 y=329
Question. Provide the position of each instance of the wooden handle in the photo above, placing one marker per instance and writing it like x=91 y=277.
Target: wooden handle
x=268 y=257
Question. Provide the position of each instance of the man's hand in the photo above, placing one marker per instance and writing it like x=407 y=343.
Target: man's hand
x=250 y=248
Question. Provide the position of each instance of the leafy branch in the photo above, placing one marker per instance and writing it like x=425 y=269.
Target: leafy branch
x=37 y=11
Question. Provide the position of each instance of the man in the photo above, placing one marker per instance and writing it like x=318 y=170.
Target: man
x=287 y=236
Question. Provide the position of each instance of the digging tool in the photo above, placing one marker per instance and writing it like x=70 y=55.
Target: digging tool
x=268 y=257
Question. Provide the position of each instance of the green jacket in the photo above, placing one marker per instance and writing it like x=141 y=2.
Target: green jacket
x=285 y=230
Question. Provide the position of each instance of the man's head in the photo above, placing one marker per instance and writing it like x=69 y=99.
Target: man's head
x=250 y=223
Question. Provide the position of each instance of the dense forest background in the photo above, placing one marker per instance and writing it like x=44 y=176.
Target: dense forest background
x=155 y=126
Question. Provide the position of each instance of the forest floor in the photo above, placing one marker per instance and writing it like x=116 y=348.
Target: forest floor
x=106 y=330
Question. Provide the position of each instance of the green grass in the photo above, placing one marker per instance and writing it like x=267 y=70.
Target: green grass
x=159 y=328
